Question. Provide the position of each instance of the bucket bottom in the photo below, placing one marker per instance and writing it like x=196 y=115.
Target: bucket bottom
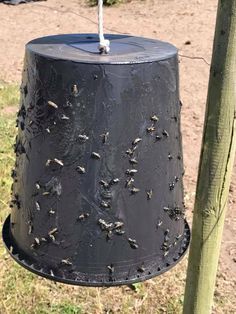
x=76 y=278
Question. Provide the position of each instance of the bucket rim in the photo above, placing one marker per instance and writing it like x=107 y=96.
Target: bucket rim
x=37 y=269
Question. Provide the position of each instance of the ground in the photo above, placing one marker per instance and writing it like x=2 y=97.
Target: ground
x=189 y=25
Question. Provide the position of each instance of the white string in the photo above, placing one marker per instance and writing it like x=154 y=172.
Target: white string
x=104 y=44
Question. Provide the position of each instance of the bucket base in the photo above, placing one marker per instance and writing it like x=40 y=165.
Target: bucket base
x=38 y=268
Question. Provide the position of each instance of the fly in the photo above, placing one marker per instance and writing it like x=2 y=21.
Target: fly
x=118 y=224
x=67 y=105
x=95 y=155
x=178 y=236
x=109 y=234
x=165 y=133
x=13 y=173
x=134 y=190
x=52 y=231
x=83 y=216
x=81 y=169
x=129 y=152
x=166 y=231
x=104 y=183
x=52 y=104
x=133 y=161
x=119 y=231
x=149 y=194
x=136 y=141
x=51 y=236
x=64 y=117
x=83 y=137
x=115 y=181
x=111 y=268
x=141 y=269
x=104 y=225
x=133 y=243
x=105 y=137
x=37 y=241
x=129 y=182
x=175 y=118
x=154 y=118
x=170 y=157
x=30 y=228
x=164 y=246
x=105 y=204
x=66 y=262
x=75 y=90
x=176 y=179
x=59 y=162
x=151 y=129
x=131 y=172
x=37 y=206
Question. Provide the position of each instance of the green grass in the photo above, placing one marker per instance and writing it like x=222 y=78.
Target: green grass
x=65 y=308
x=7 y=137
x=9 y=95
x=22 y=292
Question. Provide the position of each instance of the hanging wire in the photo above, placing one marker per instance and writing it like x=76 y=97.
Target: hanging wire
x=104 y=44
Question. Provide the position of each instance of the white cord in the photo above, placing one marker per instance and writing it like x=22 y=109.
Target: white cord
x=104 y=44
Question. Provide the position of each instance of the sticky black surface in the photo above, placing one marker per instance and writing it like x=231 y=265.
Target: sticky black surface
x=98 y=193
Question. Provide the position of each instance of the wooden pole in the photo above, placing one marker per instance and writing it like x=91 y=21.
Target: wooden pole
x=216 y=163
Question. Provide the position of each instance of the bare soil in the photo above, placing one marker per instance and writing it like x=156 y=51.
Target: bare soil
x=189 y=25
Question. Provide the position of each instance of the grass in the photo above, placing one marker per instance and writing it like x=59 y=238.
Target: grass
x=9 y=95
x=22 y=292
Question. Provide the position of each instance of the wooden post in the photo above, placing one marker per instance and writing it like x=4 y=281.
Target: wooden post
x=216 y=163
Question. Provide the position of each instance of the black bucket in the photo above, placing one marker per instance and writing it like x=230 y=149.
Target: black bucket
x=98 y=193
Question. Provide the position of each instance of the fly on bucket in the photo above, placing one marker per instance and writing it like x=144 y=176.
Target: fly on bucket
x=97 y=197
